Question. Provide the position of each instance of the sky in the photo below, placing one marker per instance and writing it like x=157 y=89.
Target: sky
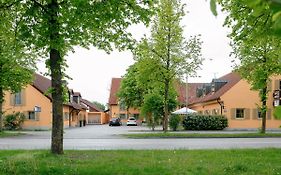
x=92 y=70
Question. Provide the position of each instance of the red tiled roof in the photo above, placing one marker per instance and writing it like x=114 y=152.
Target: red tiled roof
x=42 y=84
x=115 y=85
x=231 y=79
x=191 y=92
x=91 y=105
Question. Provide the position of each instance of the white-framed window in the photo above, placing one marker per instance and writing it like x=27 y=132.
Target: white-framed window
x=31 y=115
x=215 y=112
x=17 y=98
x=240 y=113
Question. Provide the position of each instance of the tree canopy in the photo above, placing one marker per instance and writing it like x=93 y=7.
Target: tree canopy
x=53 y=27
x=16 y=63
x=167 y=55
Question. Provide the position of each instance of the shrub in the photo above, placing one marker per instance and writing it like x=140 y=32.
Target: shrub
x=14 y=121
x=174 y=122
x=277 y=112
x=204 y=122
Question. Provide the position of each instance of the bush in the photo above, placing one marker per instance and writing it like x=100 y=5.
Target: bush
x=174 y=122
x=204 y=122
x=14 y=121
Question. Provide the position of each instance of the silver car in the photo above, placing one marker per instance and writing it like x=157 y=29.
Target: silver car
x=131 y=122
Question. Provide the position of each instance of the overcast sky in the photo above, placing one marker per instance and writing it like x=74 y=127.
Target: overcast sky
x=92 y=70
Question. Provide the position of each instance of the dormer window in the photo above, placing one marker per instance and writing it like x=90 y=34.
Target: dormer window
x=76 y=99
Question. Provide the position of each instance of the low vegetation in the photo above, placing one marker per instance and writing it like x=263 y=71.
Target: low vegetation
x=174 y=122
x=14 y=121
x=244 y=161
x=204 y=122
x=9 y=134
x=201 y=135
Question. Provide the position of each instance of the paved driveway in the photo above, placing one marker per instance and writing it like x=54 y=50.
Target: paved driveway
x=103 y=137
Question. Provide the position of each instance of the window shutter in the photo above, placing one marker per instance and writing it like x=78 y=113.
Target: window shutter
x=247 y=113
x=12 y=99
x=268 y=117
x=37 y=116
x=276 y=84
x=232 y=113
x=23 y=97
x=255 y=114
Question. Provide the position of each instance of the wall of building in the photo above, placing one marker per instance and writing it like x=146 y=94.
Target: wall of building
x=240 y=96
x=117 y=112
x=31 y=97
x=209 y=108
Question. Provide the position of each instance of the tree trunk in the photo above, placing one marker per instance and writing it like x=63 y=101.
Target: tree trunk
x=1 y=99
x=263 y=97
x=1 y=108
x=56 y=75
x=166 y=110
x=153 y=122
x=57 y=106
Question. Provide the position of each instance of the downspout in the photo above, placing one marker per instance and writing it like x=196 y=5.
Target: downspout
x=221 y=104
x=70 y=116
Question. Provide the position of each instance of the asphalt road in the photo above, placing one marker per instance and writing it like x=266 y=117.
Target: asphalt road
x=103 y=137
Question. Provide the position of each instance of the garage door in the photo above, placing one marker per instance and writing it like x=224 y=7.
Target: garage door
x=94 y=119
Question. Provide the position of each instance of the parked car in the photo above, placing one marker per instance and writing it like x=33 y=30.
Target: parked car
x=132 y=121
x=115 y=122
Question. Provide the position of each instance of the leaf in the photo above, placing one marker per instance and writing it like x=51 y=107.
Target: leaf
x=252 y=3
x=213 y=6
x=277 y=112
x=277 y=23
x=276 y=16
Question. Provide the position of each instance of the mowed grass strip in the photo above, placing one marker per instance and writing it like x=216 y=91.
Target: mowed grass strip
x=200 y=135
x=9 y=134
x=143 y=162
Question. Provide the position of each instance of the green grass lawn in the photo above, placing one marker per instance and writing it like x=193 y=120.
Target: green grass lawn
x=172 y=162
x=200 y=135
x=9 y=134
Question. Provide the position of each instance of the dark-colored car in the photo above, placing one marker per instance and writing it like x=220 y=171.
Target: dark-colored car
x=115 y=122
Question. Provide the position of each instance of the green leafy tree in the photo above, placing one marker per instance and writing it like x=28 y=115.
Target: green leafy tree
x=153 y=106
x=99 y=105
x=259 y=53
x=167 y=55
x=16 y=64
x=130 y=92
x=53 y=27
x=258 y=7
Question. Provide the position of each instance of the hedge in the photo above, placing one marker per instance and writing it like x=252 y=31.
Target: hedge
x=204 y=122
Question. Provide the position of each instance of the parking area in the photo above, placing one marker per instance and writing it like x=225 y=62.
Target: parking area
x=90 y=132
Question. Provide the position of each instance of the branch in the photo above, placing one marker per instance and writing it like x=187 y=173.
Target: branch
x=154 y=51
x=40 y=5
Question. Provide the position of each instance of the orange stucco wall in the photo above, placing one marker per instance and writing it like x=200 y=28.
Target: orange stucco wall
x=116 y=111
x=103 y=118
x=31 y=98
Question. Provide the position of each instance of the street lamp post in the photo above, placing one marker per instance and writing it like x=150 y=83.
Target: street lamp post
x=186 y=93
